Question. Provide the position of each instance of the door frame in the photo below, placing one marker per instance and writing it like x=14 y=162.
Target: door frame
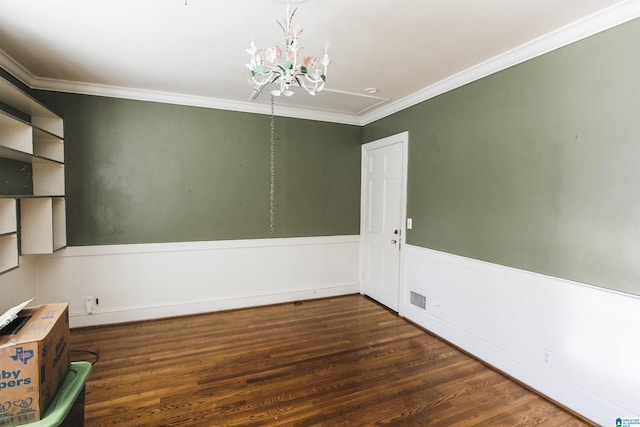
x=401 y=138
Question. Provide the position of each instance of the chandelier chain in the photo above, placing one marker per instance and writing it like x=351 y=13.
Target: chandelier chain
x=272 y=171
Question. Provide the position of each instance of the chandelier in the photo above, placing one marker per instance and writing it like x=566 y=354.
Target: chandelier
x=287 y=68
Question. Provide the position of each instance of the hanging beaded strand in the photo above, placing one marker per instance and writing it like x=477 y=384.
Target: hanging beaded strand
x=272 y=189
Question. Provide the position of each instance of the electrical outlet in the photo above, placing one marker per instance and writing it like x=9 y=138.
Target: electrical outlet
x=547 y=358
x=90 y=304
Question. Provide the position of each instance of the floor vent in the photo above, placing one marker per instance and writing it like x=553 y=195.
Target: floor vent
x=418 y=300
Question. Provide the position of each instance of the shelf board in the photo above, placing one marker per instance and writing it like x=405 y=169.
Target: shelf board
x=41 y=116
x=47 y=145
x=16 y=134
x=13 y=154
x=22 y=156
x=10 y=116
x=31 y=196
x=59 y=248
x=6 y=270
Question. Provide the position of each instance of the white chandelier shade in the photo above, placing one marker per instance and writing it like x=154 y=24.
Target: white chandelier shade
x=289 y=67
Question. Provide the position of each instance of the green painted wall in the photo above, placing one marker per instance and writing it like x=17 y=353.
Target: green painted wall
x=535 y=167
x=139 y=172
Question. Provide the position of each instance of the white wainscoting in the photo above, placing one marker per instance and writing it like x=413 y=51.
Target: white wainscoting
x=512 y=318
x=144 y=281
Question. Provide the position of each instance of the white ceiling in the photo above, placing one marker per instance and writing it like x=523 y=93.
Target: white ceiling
x=195 y=54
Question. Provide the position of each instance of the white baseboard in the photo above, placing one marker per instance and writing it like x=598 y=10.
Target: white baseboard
x=509 y=318
x=130 y=314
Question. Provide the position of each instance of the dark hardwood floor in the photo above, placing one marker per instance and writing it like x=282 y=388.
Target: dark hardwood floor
x=342 y=361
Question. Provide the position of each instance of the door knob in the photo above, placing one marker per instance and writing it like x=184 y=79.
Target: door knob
x=394 y=241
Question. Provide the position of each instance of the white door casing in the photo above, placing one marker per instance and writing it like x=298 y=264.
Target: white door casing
x=383 y=212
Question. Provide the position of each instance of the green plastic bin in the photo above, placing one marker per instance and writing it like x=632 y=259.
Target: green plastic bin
x=70 y=396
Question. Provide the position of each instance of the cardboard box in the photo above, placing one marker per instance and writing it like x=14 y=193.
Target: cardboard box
x=34 y=360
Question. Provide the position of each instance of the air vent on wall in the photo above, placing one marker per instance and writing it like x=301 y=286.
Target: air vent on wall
x=418 y=300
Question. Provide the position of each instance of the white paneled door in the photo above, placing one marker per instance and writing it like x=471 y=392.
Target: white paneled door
x=381 y=228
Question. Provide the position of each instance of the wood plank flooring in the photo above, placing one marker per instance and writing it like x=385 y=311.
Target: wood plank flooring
x=342 y=361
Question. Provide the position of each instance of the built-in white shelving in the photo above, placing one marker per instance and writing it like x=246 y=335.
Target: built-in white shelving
x=8 y=235
x=43 y=226
x=15 y=135
x=47 y=145
x=31 y=133
x=8 y=252
x=48 y=177
x=8 y=222
x=41 y=116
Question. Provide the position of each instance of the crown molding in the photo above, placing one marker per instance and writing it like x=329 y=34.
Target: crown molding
x=25 y=76
x=581 y=29
x=190 y=100
x=16 y=69
x=618 y=14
